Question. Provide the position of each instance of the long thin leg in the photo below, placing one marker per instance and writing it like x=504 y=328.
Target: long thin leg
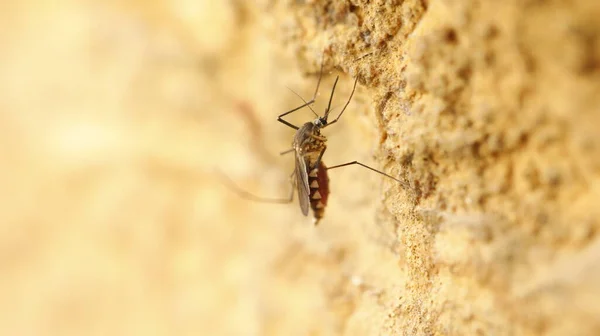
x=287 y=123
x=344 y=109
x=318 y=160
x=364 y=165
x=287 y=151
x=331 y=98
x=305 y=102
x=249 y=196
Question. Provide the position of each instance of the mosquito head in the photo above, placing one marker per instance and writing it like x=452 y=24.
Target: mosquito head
x=320 y=122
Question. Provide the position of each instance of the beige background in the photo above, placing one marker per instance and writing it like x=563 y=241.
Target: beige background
x=115 y=117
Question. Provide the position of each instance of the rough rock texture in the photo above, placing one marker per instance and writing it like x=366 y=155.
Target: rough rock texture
x=116 y=116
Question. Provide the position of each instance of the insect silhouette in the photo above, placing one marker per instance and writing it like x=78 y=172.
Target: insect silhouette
x=310 y=176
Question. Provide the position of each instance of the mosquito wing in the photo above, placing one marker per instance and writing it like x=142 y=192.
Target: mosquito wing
x=302 y=184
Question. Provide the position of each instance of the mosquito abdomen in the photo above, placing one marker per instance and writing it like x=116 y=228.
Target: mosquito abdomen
x=319 y=190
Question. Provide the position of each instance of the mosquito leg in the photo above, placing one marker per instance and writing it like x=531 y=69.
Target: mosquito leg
x=365 y=166
x=319 y=80
x=252 y=197
x=349 y=98
x=306 y=103
x=331 y=98
x=344 y=109
x=287 y=123
x=318 y=137
x=318 y=160
x=287 y=151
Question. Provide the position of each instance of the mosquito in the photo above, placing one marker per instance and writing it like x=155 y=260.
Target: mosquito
x=310 y=177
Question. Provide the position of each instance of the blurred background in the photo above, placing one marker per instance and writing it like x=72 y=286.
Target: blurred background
x=116 y=116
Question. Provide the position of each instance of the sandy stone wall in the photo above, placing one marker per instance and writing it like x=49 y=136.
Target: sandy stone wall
x=116 y=117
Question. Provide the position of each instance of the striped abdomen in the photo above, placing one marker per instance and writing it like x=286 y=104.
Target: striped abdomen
x=318 y=182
